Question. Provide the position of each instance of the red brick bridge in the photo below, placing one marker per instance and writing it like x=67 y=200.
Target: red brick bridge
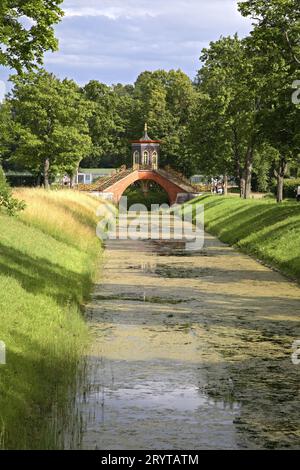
x=178 y=189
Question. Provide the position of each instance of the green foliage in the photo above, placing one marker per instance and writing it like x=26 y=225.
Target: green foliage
x=244 y=104
x=154 y=196
x=264 y=158
x=275 y=51
x=7 y=201
x=290 y=186
x=223 y=129
x=26 y=31
x=108 y=124
x=162 y=99
x=277 y=27
x=50 y=123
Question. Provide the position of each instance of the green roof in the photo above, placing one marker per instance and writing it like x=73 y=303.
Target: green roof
x=18 y=173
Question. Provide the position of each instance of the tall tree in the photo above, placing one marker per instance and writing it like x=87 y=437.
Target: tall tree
x=109 y=122
x=26 y=31
x=164 y=100
x=226 y=127
x=50 y=124
x=275 y=49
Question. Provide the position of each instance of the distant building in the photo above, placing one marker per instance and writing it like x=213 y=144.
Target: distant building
x=198 y=179
x=21 y=178
x=90 y=175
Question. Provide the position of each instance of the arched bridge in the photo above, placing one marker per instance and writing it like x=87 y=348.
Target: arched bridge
x=177 y=188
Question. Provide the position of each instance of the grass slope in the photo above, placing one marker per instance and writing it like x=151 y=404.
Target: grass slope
x=262 y=228
x=48 y=260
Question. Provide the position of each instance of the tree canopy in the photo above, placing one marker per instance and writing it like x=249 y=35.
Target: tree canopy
x=26 y=31
x=49 y=124
x=238 y=118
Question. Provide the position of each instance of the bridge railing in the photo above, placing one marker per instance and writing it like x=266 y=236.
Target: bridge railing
x=144 y=167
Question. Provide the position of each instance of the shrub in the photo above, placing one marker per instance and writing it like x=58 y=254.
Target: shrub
x=290 y=185
x=7 y=201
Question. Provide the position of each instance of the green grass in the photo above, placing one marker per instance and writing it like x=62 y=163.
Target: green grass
x=262 y=228
x=45 y=274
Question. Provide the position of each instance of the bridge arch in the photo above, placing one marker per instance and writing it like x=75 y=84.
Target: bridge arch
x=120 y=187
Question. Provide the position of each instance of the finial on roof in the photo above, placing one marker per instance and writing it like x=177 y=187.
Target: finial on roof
x=146 y=136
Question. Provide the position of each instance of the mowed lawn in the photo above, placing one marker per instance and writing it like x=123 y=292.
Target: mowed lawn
x=266 y=230
x=48 y=259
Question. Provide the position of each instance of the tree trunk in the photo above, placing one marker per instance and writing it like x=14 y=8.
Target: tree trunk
x=280 y=180
x=225 y=184
x=248 y=172
x=72 y=180
x=242 y=186
x=46 y=173
x=280 y=174
x=237 y=158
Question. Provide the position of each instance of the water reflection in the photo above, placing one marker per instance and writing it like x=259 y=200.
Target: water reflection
x=189 y=353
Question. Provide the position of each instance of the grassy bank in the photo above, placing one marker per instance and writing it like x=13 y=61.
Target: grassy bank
x=262 y=228
x=48 y=258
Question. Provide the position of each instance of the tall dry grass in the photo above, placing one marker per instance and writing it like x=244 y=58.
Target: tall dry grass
x=49 y=255
x=66 y=215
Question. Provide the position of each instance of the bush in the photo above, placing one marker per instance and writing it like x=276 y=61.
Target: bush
x=290 y=185
x=7 y=201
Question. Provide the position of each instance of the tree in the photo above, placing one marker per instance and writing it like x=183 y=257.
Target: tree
x=276 y=26
x=50 y=124
x=6 y=123
x=26 y=31
x=275 y=49
x=164 y=100
x=211 y=138
x=225 y=126
x=109 y=122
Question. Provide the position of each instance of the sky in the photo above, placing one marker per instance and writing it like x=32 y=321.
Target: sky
x=113 y=41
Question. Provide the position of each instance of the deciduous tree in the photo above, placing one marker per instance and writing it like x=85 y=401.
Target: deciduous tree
x=26 y=31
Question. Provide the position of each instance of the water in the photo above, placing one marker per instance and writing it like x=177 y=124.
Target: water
x=190 y=351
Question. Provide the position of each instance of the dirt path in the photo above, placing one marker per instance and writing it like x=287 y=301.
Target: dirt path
x=191 y=351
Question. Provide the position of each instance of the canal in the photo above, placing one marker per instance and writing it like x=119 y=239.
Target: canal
x=191 y=350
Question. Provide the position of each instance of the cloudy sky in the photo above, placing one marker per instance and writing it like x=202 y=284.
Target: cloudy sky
x=114 y=40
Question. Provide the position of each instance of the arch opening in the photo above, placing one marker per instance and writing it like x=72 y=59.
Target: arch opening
x=146 y=192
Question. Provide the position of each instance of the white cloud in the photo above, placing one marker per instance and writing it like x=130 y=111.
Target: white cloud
x=115 y=40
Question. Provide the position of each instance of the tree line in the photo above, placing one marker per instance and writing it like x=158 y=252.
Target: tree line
x=236 y=118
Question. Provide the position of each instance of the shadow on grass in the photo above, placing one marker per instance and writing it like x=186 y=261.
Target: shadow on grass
x=35 y=383
x=258 y=228
x=39 y=275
